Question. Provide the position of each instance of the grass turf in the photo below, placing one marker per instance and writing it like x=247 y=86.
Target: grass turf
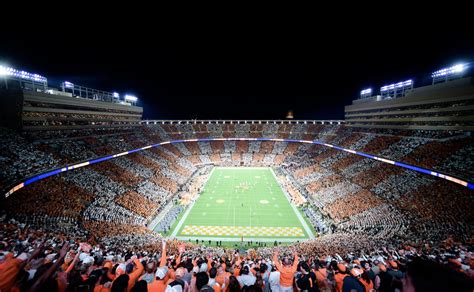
x=243 y=200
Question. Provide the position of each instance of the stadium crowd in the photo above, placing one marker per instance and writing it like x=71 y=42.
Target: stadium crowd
x=35 y=260
x=357 y=205
x=29 y=158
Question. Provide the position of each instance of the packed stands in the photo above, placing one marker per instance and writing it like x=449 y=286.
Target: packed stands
x=356 y=205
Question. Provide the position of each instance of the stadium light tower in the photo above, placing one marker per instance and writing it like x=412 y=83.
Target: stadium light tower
x=25 y=79
x=67 y=85
x=446 y=74
x=396 y=89
x=366 y=93
x=115 y=96
x=131 y=98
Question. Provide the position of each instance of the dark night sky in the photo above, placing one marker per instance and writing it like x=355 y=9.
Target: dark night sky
x=244 y=72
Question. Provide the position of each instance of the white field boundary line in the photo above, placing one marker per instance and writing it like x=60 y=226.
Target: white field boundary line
x=298 y=215
x=188 y=210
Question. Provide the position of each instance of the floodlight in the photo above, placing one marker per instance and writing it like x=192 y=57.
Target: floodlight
x=456 y=69
x=366 y=92
x=115 y=94
x=131 y=98
x=68 y=84
x=7 y=71
x=396 y=89
x=402 y=84
x=387 y=87
x=3 y=71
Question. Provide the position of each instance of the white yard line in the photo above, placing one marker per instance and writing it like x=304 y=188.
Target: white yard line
x=302 y=221
x=178 y=227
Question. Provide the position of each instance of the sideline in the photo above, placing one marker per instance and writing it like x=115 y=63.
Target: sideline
x=188 y=210
x=298 y=214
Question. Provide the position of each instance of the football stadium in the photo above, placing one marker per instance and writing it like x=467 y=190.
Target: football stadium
x=95 y=197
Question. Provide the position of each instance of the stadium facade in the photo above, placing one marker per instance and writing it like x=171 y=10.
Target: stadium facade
x=446 y=106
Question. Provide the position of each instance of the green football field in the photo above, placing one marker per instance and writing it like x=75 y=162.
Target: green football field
x=241 y=203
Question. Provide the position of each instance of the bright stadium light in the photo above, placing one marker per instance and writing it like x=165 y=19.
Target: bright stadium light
x=456 y=69
x=446 y=74
x=68 y=84
x=396 y=89
x=131 y=98
x=116 y=95
x=3 y=71
x=8 y=71
x=402 y=84
x=366 y=92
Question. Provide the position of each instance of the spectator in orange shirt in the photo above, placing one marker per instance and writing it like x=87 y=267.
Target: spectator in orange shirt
x=321 y=275
x=222 y=277
x=365 y=280
x=339 y=275
x=287 y=271
x=9 y=268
